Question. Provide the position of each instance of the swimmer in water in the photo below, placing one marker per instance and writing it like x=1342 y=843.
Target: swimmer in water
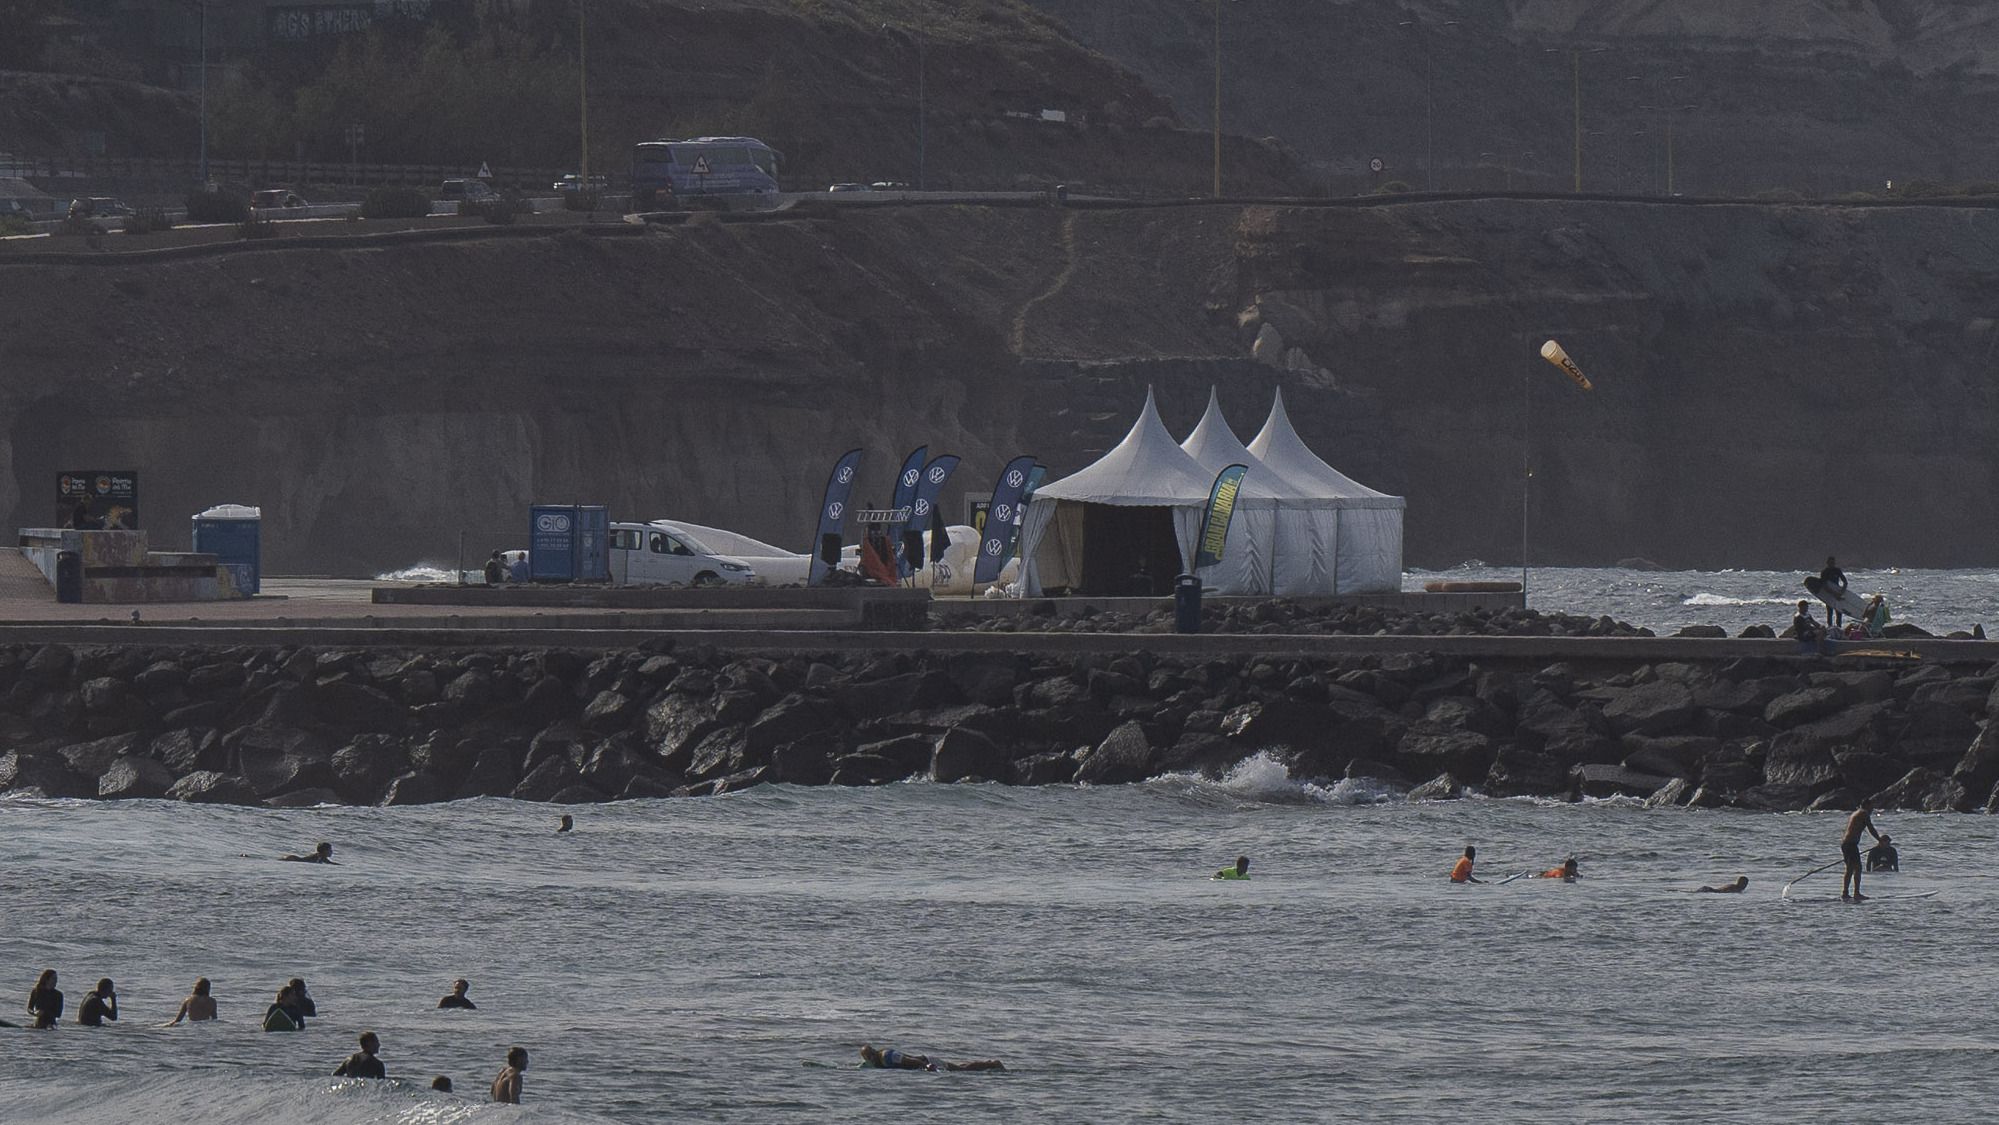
x=296 y=1002
x=321 y=854
x=45 y=1003
x=1734 y=888
x=100 y=1005
x=892 y=1059
x=458 y=999
x=198 y=1006
x=1461 y=871
x=363 y=1063
x=567 y=824
x=507 y=1084
x=441 y=1084
x=1239 y=871
x=1567 y=872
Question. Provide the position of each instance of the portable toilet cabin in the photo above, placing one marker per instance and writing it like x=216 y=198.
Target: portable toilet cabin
x=233 y=533
x=569 y=543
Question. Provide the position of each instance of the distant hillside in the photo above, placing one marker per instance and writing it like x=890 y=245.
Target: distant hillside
x=1824 y=96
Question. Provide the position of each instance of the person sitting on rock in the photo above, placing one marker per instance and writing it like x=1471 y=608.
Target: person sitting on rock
x=1809 y=633
x=321 y=854
x=1875 y=623
x=892 y=1059
x=1734 y=888
x=1567 y=872
x=1883 y=857
x=458 y=999
x=1239 y=871
x=1461 y=871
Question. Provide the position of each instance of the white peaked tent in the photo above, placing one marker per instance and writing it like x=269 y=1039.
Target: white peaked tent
x=1138 y=508
x=1282 y=538
x=1368 y=555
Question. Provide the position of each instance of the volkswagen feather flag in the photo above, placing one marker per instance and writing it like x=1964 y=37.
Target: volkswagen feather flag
x=833 y=516
x=922 y=514
x=1215 y=521
x=1002 y=521
x=905 y=494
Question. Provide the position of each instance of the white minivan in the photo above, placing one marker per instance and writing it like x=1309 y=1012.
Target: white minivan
x=663 y=553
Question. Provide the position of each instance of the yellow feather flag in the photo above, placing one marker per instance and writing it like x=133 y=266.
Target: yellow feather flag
x=1553 y=353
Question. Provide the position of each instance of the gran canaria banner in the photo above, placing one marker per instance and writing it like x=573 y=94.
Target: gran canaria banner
x=1215 y=521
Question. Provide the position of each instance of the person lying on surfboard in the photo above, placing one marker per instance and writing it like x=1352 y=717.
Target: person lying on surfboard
x=1239 y=871
x=321 y=854
x=892 y=1059
x=1734 y=888
x=1567 y=872
x=1461 y=871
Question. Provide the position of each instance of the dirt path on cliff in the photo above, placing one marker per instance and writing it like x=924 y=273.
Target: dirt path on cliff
x=1018 y=337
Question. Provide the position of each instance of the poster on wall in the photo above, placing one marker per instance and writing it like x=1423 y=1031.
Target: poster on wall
x=98 y=500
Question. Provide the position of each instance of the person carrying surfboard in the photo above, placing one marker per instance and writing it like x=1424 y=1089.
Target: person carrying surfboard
x=1849 y=848
x=1461 y=871
x=1832 y=581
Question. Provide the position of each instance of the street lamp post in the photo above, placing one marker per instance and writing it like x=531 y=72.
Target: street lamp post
x=204 y=95
x=1429 y=100
x=583 y=98
x=1218 y=99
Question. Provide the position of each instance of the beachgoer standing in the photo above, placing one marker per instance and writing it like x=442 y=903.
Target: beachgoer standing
x=44 y=1002
x=1832 y=583
x=496 y=569
x=507 y=1084
x=1849 y=848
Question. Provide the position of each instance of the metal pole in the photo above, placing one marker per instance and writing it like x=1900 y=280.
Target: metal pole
x=1526 y=462
x=921 y=136
x=583 y=92
x=204 y=94
x=1669 y=156
x=1429 y=115
x=1576 y=62
x=1218 y=99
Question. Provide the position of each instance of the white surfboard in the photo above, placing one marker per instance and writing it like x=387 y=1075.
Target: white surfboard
x=1846 y=601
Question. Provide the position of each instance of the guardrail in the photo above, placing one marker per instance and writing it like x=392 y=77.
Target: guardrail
x=276 y=173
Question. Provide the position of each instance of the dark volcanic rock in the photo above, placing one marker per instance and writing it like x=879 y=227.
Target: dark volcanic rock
x=794 y=717
x=91 y=759
x=1125 y=755
x=304 y=799
x=189 y=749
x=725 y=751
x=866 y=769
x=1925 y=790
x=906 y=756
x=1443 y=787
x=579 y=794
x=1804 y=705
x=133 y=777
x=543 y=782
x=610 y=711
x=809 y=761
x=1775 y=798
x=1677 y=756
x=1675 y=792
x=277 y=759
x=364 y=767
x=1660 y=707
x=1525 y=773
x=213 y=788
x=1866 y=773
x=415 y=788
x=352 y=706
x=1053 y=768
x=1427 y=751
x=1978 y=770
x=966 y=755
x=21 y=769
x=1802 y=764
x=1615 y=781
x=493 y=774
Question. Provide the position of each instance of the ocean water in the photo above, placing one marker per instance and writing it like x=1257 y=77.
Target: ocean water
x=723 y=959
x=1667 y=601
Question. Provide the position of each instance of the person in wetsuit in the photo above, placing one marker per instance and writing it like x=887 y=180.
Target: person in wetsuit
x=45 y=1002
x=363 y=1063
x=1734 y=888
x=1461 y=871
x=892 y=1059
x=198 y=1006
x=1883 y=857
x=507 y=1083
x=458 y=999
x=296 y=1002
x=321 y=854
x=566 y=824
x=1832 y=583
x=1239 y=871
x=100 y=1005
x=1849 y=848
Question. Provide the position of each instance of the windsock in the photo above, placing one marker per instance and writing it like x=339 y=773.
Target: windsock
x=1553 y=353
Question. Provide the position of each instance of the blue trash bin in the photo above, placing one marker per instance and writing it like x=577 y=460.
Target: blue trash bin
x=1187 y=604
x=233 y=533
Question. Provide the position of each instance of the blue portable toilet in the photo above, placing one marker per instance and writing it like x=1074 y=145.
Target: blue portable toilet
x=569 y=543
x=233 y=533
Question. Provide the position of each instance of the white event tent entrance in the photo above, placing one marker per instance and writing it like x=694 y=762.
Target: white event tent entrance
x=1125 y=525
x=1282 y=539
x=1368 y=554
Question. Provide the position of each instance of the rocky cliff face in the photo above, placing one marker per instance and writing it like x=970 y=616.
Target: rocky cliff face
x=1773 y=383
x=1823 y=96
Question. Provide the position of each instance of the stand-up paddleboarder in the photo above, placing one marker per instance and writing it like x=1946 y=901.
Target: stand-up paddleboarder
x=1849 y=848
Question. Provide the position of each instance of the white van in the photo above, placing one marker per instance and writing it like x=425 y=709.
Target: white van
x=663 y=553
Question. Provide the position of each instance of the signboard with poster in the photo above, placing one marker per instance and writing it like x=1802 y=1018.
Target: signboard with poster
x=98 y=500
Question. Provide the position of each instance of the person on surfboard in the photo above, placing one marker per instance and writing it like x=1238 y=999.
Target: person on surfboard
x=1461 y=871
x=892 y=1059
x=1239 y=871
x=1734 y=888
x=1832 y=583
x=1849 y=848
x=321 y=854
x=1567 y=872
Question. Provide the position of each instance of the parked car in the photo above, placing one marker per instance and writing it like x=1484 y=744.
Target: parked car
x=474 y=191
x=664 y=553
x=849 y=187
x=889 y=185
x=276 y=198
x=574 y=182
x=99 y=207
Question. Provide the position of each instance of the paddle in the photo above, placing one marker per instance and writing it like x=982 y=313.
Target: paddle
x=1786 y=893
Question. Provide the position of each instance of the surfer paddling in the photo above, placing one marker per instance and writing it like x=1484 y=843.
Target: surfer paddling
x=1735 y=888
x=1239 y=871
x=1567 y=872
x=892 y=1059
x=321 y=854
x=1461 y=871
x=1849 y=848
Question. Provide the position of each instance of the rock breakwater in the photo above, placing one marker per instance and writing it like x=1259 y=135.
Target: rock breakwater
x=300 y=726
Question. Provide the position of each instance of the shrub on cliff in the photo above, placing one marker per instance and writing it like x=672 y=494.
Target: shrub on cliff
x=393 y=202
x=216 y=206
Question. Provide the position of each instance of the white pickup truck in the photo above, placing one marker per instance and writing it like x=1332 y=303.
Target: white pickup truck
x=668 y=552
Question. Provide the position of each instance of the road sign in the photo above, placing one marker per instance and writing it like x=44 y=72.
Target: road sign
x=700 y=165
x=485 y=173
x=1376 y=165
